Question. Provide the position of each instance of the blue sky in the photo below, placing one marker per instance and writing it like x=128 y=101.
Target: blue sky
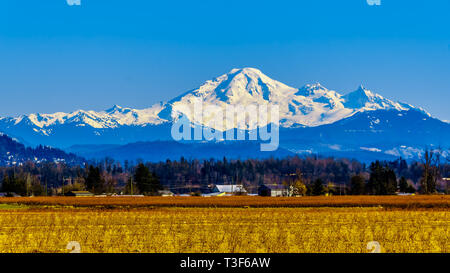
x=56 y=57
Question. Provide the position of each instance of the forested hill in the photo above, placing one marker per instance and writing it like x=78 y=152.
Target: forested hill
x=14 y=153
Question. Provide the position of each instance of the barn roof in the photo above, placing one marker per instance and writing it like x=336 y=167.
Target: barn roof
x=230 y=188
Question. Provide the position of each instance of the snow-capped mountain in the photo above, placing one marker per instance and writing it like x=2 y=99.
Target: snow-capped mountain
x=301 y=110
x=311 y=105
x=111 y=118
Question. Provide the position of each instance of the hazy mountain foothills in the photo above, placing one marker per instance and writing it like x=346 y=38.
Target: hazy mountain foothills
x=313 y=119
x=155 y=151
x=14 y=153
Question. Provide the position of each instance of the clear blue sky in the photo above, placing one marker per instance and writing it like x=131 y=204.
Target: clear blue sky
x=56 y=57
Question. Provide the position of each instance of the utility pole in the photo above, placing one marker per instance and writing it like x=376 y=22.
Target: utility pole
x=131 y=184
x=26 y=183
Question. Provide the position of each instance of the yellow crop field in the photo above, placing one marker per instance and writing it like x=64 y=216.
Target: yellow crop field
x=229 y=230
x=388 y=201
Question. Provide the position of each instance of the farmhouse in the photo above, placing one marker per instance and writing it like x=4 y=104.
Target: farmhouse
x=79 y=193
x=273 y=190
x=165 y=193
x=229 y=189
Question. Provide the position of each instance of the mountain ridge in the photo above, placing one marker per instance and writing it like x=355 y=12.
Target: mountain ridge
x=312 y=118
x=14 y=153
x=245 y=86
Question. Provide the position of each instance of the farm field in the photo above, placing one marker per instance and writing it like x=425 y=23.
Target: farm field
x=102 y=226
x=416 y=201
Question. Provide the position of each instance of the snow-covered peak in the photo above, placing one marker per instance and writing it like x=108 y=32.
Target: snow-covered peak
x=240 y=86
x=129 y=116
x=110 y=118
x=312 y=89
x=310 y=105
x=320 y=94
x=364 y=99
x=114 y=109
x=360 y=97
x=254 y=72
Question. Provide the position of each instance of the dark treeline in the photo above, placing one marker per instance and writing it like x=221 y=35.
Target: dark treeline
x=318 y=175
x=14 y=153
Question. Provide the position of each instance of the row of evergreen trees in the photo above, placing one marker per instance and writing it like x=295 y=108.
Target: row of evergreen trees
x=143 y=181
x=319 y=176
x=382 y=181
x=22 y=185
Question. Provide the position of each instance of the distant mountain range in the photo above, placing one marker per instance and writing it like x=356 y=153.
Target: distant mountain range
x=313 y=119
x=156 y=151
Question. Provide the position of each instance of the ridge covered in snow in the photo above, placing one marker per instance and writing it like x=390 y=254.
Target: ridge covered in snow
x=112 y=118
x=308 y=106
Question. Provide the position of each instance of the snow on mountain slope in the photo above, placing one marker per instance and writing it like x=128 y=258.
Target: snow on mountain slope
x=111 y=118
x=323 y=107
x=239 y=87
x=310 y=106
x=364 y=99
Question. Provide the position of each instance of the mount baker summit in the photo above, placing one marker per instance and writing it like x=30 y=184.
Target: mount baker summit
x=313 y=119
